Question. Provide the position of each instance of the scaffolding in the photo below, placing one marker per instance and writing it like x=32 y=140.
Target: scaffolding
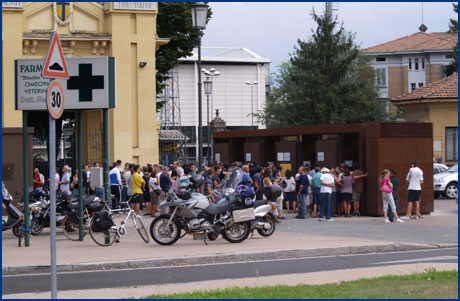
x=171 y=138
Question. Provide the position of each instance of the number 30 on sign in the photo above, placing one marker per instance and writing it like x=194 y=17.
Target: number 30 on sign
x=55 y=100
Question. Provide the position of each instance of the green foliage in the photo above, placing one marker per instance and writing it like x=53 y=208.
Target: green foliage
x=428 y=285
x=453 y=66
x=174 y=21
x=398 y=114
x=326 y=81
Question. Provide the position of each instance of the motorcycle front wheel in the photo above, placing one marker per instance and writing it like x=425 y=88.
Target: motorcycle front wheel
x=271 y=222
x=38 y=225
x=164 y=235
x=237 y=232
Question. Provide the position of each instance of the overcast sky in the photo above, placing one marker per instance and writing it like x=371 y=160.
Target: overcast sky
x=271 y=29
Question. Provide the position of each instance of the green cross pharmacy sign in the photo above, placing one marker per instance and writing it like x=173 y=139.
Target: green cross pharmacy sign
x=91 y=84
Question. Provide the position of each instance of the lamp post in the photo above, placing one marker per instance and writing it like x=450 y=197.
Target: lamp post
x=252 y=100
x=211 y=73
x=199 y=17
x=208 y=91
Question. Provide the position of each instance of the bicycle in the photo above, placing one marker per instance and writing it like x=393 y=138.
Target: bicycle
x=107 y=237
x=70 y=223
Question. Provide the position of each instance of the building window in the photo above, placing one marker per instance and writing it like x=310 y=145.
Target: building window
x=449 y=56
x=420 y=85
x=412 y=86
x=381 y=59
x=381 y=77
x=451 y=144
x=416 y=64
x=410 y=64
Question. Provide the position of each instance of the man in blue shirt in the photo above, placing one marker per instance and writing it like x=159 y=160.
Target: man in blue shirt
x=302 y=193
x=65 y=179
x=244 y=177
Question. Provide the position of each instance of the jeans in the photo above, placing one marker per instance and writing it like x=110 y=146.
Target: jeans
x=99 y=192
x=302 y=208
x=390 y=212
x=325 y=205
x=124 y=193
x=316 y=196
x=333 y=203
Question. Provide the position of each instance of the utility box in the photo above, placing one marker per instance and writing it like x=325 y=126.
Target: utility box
x=97 y=176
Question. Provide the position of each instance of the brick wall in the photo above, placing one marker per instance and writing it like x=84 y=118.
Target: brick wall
x=435 y=73
x=397 y=83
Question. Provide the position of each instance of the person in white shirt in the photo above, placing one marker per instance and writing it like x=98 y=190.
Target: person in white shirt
x=327 y=181
x=415 y=180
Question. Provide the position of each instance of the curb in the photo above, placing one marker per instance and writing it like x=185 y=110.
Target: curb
x=221 y=258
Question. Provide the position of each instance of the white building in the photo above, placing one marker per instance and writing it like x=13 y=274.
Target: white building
x=232 y=96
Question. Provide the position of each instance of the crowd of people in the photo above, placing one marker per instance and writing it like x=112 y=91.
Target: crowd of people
x=321 y=192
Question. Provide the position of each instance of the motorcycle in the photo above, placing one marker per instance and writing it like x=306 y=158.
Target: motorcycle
x=15 y=216
x=196 y=214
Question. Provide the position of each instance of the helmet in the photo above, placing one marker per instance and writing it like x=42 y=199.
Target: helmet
x=197 y=181
x=66 y=195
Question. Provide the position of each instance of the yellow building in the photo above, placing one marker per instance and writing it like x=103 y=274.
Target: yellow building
x=124 y=30
x=436 y=103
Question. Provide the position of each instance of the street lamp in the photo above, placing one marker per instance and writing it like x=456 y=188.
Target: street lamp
x=252 y=100
x=199 y=17
x=208 y=91
x=211 y=73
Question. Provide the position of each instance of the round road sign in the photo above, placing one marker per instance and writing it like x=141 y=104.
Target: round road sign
x=55 y=100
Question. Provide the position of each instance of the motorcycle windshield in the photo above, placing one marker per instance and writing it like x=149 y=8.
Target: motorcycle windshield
x=5 y=194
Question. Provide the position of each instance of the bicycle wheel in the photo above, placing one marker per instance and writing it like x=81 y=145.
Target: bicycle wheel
x=103 y=238
x=70 y=226
x=22 y=238
x=140 y=228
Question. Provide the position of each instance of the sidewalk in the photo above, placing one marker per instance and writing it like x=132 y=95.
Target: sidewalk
x=292 y=239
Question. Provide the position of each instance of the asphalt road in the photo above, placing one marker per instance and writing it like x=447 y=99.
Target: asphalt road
x=155 y=276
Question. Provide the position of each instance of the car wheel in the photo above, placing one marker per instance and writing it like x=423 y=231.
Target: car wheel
x=451 y=191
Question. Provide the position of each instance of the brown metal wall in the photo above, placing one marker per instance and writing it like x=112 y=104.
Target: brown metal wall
x=255 y=149
x=396 y=146
x=12 y=165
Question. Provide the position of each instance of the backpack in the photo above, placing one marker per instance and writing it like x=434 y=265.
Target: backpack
x=245 y=195
x=102 y=221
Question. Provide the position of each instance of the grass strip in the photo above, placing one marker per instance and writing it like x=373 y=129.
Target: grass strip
x=430 y=284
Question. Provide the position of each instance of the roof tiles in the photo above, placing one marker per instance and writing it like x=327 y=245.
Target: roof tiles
x=417 y=41
x=441 y=89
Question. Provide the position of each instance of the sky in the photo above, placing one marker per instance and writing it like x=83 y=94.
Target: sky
x=271 y=29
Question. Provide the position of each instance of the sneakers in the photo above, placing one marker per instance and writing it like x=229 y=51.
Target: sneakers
x=414 y=217
x=320 y=219
x=357 y=213
x=329 y=220
x=387 y=221
x=399 y=220
x=404 y=217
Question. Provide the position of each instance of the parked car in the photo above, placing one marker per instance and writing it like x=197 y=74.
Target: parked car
x=446 y=183
x=439 y=167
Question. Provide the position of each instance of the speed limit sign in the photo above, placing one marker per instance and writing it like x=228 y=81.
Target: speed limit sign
x=55 y=99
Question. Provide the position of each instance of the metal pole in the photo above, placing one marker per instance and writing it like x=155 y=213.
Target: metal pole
x=106 y=154
x=209 y=128
x=80 y=175
x=25 y=161
x=200 y=113
x=52 y=160
x=252 y=109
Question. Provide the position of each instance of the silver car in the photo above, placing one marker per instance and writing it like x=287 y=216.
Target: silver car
x=445 y=183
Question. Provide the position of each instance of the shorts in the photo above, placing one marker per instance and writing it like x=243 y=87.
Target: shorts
x=345 y=196
x=279 y=204
x=413 y=195
x=290 y=196
x=356 y=197
x=154 y=198
x=137 y=199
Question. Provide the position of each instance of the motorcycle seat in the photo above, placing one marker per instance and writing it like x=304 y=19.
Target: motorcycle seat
x=86 y=201
x=220 y=207
x=261 y=202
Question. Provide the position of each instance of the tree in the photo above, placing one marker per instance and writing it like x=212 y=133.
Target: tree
x=453 y=28
x=326 y=81
x=174 y=21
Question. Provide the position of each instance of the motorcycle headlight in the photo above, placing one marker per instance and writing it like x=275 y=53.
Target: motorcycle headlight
x=439 y=180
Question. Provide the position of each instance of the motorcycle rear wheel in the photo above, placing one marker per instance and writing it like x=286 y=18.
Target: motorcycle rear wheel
x=16 y=228
x=269 y=220
x=38 y=226
x=71 y=228
x=237 y=232
x=163 y=236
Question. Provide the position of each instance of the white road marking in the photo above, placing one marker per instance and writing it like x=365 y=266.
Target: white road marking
x=421 y=259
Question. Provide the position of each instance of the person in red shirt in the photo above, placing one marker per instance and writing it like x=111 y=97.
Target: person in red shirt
x=39 y=179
